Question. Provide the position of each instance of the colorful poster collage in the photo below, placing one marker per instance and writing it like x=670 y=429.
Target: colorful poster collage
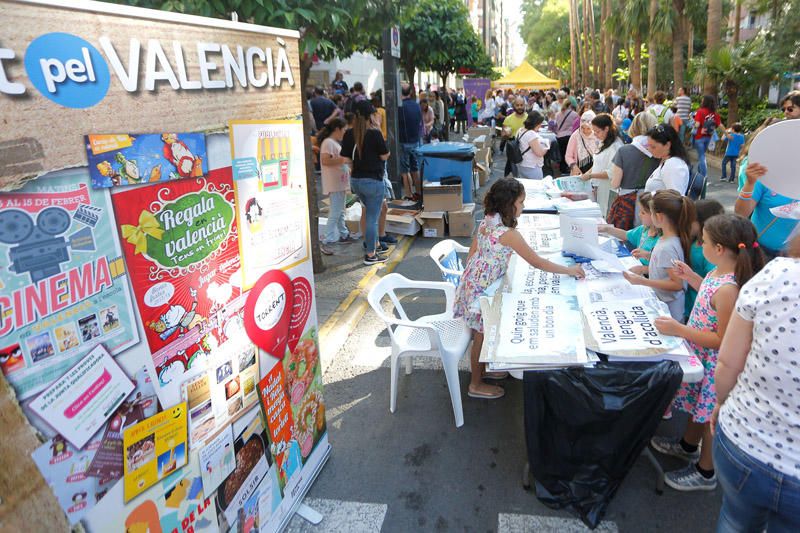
x=156 y=241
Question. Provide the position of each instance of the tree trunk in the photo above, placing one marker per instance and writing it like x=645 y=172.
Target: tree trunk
x=652 y=48
x=585 y=57
x=678 y=40
x=636 y=66
x=608 y=47
x=732 y=90
x=593 y=38
x=311 y=180
x=689 y=41
x=573 y=57
x=713 y=40
x=737 y=23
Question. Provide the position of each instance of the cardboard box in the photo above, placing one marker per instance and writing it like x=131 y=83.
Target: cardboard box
x=433 y=223
x=402 y=221
x=462 y=222
x=438 y=197
x=483 y=174
x=483 y=156
x=353 y=226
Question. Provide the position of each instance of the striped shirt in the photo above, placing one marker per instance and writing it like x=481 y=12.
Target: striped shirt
x=684 y=105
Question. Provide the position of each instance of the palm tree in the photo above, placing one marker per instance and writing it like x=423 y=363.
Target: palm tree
x=636 y=17
x=713 y=31
x=679 y=23
x=573 y=59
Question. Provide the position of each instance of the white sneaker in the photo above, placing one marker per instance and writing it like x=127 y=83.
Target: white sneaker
x=672 y=446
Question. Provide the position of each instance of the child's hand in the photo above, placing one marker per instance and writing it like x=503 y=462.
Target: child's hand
x=577 y=272
x=638 y=269
x=604 y=228
x=633 y=279
x=754 y=171
x=713 y=420
x=586 y=176
x=668 y=326
x=682 y=270
x=640 y=253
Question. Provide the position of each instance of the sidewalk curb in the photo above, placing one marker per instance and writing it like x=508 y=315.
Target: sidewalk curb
x=335 y=331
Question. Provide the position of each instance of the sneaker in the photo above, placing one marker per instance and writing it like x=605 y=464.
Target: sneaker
x=380 y=248
x=387 y=239
x=345 y=240
x=672 y=446
x=374 y=260
x=688 y=479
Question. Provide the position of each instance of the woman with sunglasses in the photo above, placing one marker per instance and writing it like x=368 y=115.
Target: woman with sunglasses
x=673 y=171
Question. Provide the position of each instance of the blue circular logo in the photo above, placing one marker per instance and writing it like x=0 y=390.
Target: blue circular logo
x=67 y=70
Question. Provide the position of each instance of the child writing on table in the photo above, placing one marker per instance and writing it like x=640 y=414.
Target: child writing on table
x=729 y=243
x=487 y=261
x=673 y=214
x=643 y=238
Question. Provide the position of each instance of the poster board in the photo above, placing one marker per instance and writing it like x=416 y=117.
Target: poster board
x=114 y=71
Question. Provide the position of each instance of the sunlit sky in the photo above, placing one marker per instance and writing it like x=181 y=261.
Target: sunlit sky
x=513 y=10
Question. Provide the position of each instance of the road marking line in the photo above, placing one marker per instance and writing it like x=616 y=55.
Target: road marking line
x=526 y=523
x=335 y=330
x=338 y=515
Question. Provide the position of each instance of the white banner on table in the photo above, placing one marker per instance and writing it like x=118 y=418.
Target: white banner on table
x=538 y=221
x=612 y=288
x=526 y=279
x=626 y=328
x=543 y=241
x=539 y=329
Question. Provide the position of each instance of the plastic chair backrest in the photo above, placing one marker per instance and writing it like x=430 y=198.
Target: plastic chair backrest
x=445 y=255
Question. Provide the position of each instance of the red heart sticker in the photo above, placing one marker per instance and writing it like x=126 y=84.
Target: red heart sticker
x=267 y=311
x=301 y=308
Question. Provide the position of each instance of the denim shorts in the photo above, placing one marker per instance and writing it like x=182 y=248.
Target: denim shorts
x=408 y=158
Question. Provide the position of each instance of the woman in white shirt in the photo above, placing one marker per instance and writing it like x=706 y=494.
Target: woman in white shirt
x=532 y=146
x=673 y=171
x=605 y=131
x=756 y=451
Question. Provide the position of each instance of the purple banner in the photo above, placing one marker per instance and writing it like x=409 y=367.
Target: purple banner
x=476 y=87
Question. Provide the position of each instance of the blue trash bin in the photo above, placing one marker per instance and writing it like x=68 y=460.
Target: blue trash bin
x=447 y=159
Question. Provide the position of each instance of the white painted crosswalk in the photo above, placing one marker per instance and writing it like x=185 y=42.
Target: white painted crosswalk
x=525 y=523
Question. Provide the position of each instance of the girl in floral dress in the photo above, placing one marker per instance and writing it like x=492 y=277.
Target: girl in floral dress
x=730 y=243
x=487 y=261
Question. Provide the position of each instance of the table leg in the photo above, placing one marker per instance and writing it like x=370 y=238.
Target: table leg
x=657 y=466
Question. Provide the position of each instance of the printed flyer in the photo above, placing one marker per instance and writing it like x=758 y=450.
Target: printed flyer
x=270 y=179
x=538 y=221
x=226 y=389
x=180 y=243
x=81 y=478
x=177 y=504
x=154 y=449
x=626 y=328
x=64 y=286
x=80 y=401
x=133 y=159
x=275 y=404
x=542 y=241
x=217 y=460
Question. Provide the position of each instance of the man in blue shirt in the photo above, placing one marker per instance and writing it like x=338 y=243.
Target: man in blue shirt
x=735 y=142
x=322 y=108
x=409 y=125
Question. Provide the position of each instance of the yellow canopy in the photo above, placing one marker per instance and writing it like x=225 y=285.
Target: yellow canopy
x=526 y=76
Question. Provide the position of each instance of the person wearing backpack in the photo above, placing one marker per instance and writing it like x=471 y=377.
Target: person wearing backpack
x=662 y=112
x=708 y=121
x=532 y=147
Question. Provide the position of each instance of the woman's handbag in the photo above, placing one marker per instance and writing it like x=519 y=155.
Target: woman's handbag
x=586 y=163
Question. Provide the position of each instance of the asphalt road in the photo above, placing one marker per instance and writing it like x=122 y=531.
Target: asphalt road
x=415 y=471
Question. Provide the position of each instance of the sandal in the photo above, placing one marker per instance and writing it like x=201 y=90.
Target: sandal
x=495 y=376
x=485 y=395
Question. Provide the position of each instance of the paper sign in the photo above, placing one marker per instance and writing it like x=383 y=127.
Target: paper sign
x=124 y=159
x=154 y=449
x=770 y=148
x=217 y=460
x=580 y=236
x=267 y=312
x=526 y=279
x=542 y=241
x=540 y=222
x=81 y=401
x=63 y=283
x=626 y=328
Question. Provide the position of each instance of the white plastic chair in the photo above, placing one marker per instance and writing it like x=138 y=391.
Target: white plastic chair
x=434 y=335
x=445 y=255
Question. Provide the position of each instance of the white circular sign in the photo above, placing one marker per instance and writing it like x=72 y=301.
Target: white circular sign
x=269 y=306
x=777 y=148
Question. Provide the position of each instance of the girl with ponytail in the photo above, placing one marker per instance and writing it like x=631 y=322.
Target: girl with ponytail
x=730 y=244
x=674 y=215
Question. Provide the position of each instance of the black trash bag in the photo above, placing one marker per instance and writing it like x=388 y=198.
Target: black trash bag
x=586 y=427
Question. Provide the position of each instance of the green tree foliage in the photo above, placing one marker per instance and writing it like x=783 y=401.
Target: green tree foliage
x=545 y=29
